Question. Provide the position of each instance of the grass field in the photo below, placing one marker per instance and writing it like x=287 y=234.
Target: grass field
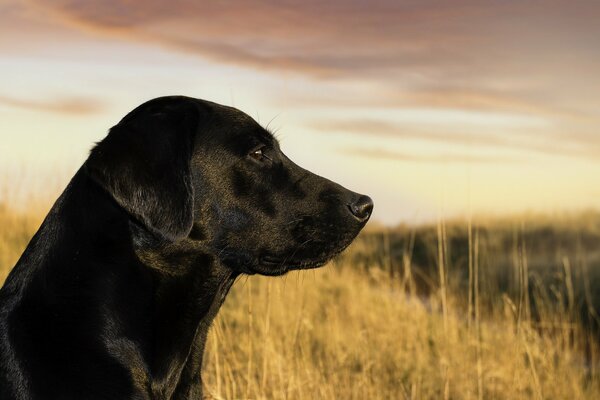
x=501 y=309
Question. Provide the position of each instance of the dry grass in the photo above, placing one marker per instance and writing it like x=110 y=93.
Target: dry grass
x=16 y=229
x=339 y=334
x=345 y=332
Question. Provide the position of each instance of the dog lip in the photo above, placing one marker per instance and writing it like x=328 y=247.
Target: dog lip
x=288 y=264
x=271 y=260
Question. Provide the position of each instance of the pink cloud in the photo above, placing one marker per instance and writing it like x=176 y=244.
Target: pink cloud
x=72 y=105
x=526 y=56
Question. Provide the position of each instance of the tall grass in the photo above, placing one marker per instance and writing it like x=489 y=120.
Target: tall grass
x=436 y=312
x=16 y=229
x=340 y=334
x=535 y=262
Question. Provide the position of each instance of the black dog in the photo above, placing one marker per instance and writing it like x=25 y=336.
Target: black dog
x=113 y=297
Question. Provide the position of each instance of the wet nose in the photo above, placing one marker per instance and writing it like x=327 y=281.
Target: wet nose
x=362 y=208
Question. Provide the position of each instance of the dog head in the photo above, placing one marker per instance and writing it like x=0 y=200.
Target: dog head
x=191 y=170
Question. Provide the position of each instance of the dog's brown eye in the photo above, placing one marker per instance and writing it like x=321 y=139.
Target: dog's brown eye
x=258 y=154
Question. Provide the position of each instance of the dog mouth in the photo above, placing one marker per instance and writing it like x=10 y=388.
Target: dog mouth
x=273 y=265
x=278 y=264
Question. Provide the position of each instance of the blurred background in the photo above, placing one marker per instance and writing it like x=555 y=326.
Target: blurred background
x=432 y=107
x=474 y=125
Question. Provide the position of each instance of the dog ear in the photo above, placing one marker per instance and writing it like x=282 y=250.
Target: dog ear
x=144 y=164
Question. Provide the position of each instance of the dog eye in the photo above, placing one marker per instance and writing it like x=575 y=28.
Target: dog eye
x=258 y=154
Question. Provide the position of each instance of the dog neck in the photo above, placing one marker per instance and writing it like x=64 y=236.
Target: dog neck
x=146 y=309
x=189 y=288
x=182 y=286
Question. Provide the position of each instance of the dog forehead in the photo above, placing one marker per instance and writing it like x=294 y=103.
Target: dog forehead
x=230 y=126
x=235 y=121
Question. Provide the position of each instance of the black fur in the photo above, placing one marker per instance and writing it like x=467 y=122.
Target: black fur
x=114 y=295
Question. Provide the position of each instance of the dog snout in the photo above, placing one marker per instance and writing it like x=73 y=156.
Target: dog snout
x=361 y=208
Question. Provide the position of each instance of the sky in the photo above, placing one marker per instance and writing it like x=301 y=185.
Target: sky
x=433 y=108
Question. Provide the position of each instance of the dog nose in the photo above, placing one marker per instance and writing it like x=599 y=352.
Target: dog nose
x=362 y=208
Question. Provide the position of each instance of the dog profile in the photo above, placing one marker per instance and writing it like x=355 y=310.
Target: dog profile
x=114 y=295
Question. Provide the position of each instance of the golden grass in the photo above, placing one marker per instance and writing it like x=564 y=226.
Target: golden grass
x=340 y=334
x=344 y=333
x=16 y=229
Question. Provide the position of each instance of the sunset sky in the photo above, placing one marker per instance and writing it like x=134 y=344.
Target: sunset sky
x=431 y=107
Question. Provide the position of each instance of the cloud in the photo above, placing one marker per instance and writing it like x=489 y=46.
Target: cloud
x=553 y=144
x=442 y=97
x=72 y=105
x=521 y=56
x=339 y=36
x=372 y=127
x=423 y=158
